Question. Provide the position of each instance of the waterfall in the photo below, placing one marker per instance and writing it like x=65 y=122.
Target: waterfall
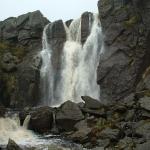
x=26 y=121
x=10 y=128
x=78 y=65
x=46 y=71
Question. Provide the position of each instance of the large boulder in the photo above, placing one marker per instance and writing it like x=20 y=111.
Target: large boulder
x=41 y=120
x=68 y=115
x=126 y=44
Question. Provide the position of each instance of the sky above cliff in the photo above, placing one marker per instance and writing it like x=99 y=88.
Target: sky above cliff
x=52 y=9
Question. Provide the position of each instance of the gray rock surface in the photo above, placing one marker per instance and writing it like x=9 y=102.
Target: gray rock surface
x=68 y=115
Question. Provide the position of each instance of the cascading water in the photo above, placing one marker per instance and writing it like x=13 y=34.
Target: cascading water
x=78 y=65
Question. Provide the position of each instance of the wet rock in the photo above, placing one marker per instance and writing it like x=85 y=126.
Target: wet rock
x=2 y=110
x=68 y=22
x=12 y=145
x=91 y=103
x=41 y=120
x=68 y=115
x=86 y=24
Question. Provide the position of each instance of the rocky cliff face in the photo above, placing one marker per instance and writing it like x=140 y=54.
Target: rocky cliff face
x=20 y=41
x=126 y=28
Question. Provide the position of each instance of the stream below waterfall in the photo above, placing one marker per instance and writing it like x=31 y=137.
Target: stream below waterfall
x=27 y=139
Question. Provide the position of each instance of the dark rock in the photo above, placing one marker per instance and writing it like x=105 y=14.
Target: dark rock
x=144 y=146
x=126 y=34
x=86 y=24
x=12 y=145
x=68 y=115
x=143 y=128
x=68 y=22
x=145 y=103
x=9 y=62
x=41 y=120
x=2 y=111
x=91 y=103
x=108 y=133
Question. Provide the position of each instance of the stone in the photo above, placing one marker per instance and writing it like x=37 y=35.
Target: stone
x=108 y=133
x=2 y=110
x=41 y=120
x=68 y=115
x=12 y=145
x=9 y=62
x=145 y=103
x=91 y=103
x=144 y=146
x=143 y=128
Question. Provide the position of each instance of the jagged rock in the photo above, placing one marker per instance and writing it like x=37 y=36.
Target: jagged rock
x=120 y=70
x=68 y=22
x=41 y=120
x=20 y=44
x=91 y=103
x=12 y=145
x=68 y=115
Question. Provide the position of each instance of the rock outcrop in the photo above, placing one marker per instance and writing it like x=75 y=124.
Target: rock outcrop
x=20 y=42
x=126 y=28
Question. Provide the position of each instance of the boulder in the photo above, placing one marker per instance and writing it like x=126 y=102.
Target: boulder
x=41 y=120
x=81 y=135
x=68 y=115
x=91 y=103
x=12 y=145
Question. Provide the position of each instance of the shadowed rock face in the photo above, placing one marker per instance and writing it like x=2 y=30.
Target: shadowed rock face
x=20 y=41
x=125 y=26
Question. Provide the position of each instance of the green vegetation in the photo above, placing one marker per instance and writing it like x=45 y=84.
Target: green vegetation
x=17 y=51
x=132 y=21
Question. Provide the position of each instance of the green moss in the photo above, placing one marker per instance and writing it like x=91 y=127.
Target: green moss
x=18 y=51
x=132 y=21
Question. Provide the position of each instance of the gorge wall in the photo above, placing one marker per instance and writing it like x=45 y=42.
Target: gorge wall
x=125 y=25
x=122 y=66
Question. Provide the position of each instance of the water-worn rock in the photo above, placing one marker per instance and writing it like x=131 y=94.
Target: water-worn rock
x=12 y=145
x=68 y=115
